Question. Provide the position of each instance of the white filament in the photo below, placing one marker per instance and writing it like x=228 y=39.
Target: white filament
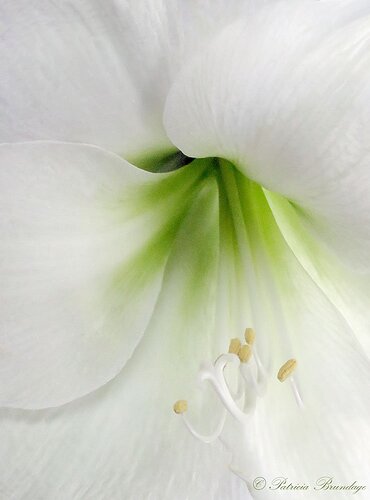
x=215 y=375
x=210 y=438
x=296 y=392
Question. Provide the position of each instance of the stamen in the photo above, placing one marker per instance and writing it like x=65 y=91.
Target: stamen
x=260 y=380
x=212 y=437
x=180 y=406
x=239 y=392
x=234 y=346
x=286 y=372
x=250 y=377
x=251 y=384
x=250 y=396
x=216 y=377
x=245 y=353
x=296 y=393
x=249 y=336
x=287 y=369
x=261 y=373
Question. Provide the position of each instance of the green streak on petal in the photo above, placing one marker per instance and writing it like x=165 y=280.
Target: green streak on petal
x=198 y=243
x=168 y=199
x=163 y=193
x=250 y=212
x=260 y=252
x=297 y=230
x=195 y=217
x=229 y=227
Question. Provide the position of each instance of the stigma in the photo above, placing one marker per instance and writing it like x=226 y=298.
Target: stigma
x=251 y=384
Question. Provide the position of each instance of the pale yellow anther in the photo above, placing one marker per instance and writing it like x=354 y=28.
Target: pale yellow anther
x=234 y=346
x=287 y=369
x=180 y=406
x=249 y=336
x=245 y=353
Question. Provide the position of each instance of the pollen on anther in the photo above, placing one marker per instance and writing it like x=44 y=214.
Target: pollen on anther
x=180 y=406
x=234 y=346
x=245 y=353
x=249 y=336
x=287 y=369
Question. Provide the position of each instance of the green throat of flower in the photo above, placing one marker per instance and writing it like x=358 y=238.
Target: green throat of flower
x=222 y=224
x=233 y=215
x=228 y=212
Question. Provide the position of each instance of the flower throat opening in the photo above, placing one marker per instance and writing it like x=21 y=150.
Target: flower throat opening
x=162 y=162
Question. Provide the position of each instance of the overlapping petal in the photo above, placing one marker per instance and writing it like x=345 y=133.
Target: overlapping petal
x=346 y=288
x=285 y=96
x=85 y=237
x=98 y=72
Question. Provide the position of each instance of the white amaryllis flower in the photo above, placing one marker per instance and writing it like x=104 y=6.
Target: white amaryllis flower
x=121 y=272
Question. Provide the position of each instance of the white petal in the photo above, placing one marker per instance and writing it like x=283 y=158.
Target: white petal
x=285 y=96
x=84 y=239
x=124 y=441
x=347 y=289
x=96 y=72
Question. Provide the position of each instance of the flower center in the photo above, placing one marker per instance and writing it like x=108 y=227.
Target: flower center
x=250 y=276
